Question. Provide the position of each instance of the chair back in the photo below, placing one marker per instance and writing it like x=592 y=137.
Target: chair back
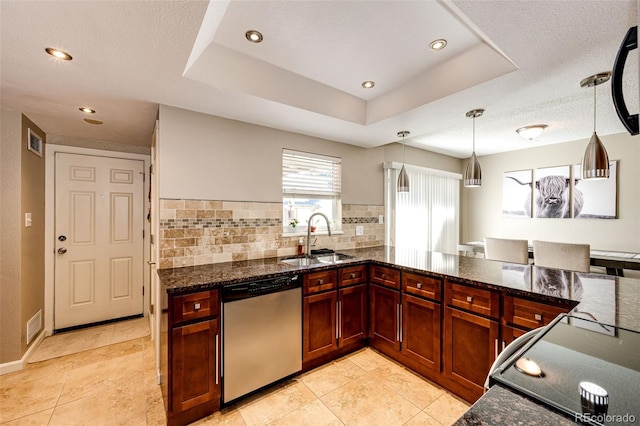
x=570 y=257
x=505 y=250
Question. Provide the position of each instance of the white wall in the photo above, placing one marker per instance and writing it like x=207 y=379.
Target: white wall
x=484 y=205
x=205 y=157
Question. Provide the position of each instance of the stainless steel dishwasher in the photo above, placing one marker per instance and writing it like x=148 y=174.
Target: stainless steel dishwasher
x=262 y=334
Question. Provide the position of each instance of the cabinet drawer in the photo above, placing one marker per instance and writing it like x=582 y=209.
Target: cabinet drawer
x=320 y=281
x=352 y=275
x=530 y=314
x=194 y=306
x=421 y=285
x=384 y=276
x=480 y=301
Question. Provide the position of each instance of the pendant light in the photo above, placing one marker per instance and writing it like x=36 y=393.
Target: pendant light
x=473 y=174
x=403 y=179
x=595 y=163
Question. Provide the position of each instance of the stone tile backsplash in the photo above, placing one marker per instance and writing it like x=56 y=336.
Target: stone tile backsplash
x=197 y=232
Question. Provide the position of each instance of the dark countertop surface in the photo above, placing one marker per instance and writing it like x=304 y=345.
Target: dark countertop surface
x=500 y=406
x=610 y=299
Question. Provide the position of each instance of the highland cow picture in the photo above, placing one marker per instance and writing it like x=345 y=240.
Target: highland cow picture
x=516 y=193
x=599 y=196
x=552 y=194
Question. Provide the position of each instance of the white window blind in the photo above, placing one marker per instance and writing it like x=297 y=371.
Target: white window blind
x=311 y=174
x=425 y=218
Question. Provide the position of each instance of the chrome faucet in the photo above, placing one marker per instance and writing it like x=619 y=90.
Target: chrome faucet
x=309 y=230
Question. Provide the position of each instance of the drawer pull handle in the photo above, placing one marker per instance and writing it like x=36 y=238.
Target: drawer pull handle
x=384 y=276
x=538 y=317
x=419 y=285
x=352 y=276
x=470 y=299
x=320 y=282
x=196 y=306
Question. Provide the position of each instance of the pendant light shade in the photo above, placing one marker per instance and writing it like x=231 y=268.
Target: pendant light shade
x=403 y=178
x=595 y=163
x=473 y=173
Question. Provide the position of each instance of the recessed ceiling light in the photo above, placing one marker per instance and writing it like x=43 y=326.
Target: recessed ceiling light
x=253 y=36
x=58 y=54
x=531 y=132
x=87 y=110
x=368 y=84
x=438 y=44
x=91 y=121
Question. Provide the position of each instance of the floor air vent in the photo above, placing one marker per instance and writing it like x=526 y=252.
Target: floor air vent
x=34 y=326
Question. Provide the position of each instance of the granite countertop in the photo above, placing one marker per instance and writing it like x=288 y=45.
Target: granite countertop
x=609 y=299
x=500 y=406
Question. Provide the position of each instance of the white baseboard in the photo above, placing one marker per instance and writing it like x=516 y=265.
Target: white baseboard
x=10 y=367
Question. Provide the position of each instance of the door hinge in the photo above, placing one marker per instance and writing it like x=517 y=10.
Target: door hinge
x=151 y=309
x=151 y=238
x=143 y=291
x=143 y=234
x=151 y=169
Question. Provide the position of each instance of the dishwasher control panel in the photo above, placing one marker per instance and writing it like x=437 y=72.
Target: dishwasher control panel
x=257 y=288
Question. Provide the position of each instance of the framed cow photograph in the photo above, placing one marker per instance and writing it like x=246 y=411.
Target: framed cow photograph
x=516 y=193
x=552 y=193
x=599 y=196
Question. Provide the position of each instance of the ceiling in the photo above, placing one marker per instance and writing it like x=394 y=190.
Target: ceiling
x=522 y=61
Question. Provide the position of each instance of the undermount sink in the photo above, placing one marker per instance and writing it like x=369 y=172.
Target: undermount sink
x=314 y=260
x=333 y=258
x=301 y=261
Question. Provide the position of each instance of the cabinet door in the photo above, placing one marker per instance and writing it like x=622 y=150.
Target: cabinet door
x=421 y=331
x=470 y=346
x=195 y=365
x=384 y=316
x=352 y=314
x=319 y=326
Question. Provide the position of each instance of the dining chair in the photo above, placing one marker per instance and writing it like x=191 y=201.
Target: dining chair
x=567 y=256
x=506 y=250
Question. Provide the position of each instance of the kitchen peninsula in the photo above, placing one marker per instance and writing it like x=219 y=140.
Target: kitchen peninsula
x=494 y=301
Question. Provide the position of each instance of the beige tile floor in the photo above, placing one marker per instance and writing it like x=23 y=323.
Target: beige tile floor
x=116 y=385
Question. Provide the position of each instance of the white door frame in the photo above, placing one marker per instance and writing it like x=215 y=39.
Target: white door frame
x=49 y=223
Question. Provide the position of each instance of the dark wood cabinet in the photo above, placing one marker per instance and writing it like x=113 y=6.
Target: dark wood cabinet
x=319 y=325
x=194 y=365
x=420 y=339
x=191 y=370
x=384 y=319
x=529 y=314
x=334 y=314
x=384 y=276
x=352 y=315
x=470 y=341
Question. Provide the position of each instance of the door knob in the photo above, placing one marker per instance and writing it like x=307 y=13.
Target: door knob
x=62 y=250
x=62 y=238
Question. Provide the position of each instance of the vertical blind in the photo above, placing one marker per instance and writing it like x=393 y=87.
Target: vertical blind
x=311 y=174
x=427 y=217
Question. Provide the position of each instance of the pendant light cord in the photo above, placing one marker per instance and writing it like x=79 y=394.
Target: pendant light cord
x=474 y=134
x=403 y=150
x=594 y=108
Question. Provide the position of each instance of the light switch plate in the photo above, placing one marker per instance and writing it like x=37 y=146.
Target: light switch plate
x=27 y=220
x=380 y=219
x=359 y=230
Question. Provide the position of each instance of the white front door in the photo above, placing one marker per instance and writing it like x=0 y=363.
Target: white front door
x=99 y=239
